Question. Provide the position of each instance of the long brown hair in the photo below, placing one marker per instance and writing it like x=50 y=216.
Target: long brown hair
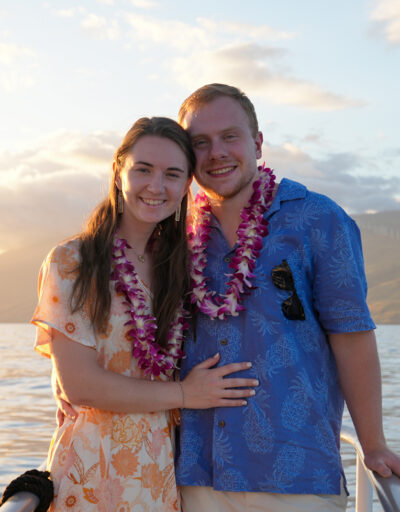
x=170 y=275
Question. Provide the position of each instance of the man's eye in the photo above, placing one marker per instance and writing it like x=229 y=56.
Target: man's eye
x=230 y=136
x=199 y=143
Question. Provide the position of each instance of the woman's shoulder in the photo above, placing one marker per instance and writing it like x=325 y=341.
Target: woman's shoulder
x=66 y=255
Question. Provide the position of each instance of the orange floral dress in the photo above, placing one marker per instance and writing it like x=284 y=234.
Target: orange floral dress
x=103 y=461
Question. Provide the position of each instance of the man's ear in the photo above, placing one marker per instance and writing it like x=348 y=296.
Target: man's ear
x=258 y=142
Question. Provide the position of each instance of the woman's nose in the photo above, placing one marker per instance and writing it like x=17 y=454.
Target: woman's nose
x=156 y=183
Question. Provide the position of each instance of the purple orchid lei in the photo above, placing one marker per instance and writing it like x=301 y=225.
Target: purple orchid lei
x=151 y=357
x=251 y=231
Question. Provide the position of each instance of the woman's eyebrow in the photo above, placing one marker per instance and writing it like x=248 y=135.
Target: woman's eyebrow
x=142 y=162
x=175 y=169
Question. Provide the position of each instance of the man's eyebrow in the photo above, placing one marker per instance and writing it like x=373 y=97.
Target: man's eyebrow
x=200 y=135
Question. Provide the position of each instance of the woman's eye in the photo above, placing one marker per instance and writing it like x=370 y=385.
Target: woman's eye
x=141 y=169
x=173 y=175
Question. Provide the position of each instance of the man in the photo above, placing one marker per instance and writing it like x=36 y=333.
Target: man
x=291 y=300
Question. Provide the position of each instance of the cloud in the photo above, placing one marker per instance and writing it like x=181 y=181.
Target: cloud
x=16 y=65
x=204 y=34
x=254 y=67
x=66 y=13
x=224 y=52
x=386 y=20
x=100 y=28
x=246 y=30
x=251 y=67
x=53 y=185
x=10 y=52
x=173 y=33
x=145 y=4
x=335 y=176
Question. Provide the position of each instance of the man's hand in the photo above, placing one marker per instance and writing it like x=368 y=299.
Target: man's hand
x=360 y=378
x=383 y=461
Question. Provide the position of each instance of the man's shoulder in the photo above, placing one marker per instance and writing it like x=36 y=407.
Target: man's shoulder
x=293 y=190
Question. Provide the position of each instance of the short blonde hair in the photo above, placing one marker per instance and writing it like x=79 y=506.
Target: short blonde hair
x=210 y=92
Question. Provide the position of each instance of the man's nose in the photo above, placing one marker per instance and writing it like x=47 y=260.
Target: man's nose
x=217 y=149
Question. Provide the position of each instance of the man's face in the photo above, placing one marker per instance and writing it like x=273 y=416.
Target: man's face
x=226 y=151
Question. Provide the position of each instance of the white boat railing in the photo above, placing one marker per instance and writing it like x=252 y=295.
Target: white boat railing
x=387 y=489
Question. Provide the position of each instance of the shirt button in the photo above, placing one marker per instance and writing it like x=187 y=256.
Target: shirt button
x=227 y=259
x=221 y=423
x=224 y=342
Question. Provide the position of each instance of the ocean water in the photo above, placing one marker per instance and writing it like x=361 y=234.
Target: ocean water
x=27 y=410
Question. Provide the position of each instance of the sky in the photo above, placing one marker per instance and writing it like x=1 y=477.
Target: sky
x=75 y=75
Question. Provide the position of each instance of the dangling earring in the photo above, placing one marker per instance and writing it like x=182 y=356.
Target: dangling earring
x=120 y=202
x=178 y=213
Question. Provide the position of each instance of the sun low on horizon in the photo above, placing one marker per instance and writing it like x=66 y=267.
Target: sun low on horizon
x=74 y=76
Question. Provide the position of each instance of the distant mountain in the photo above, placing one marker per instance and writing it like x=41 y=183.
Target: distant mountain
x=381 y=242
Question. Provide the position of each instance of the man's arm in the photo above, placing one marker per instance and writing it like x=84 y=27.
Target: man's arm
x=360 y=379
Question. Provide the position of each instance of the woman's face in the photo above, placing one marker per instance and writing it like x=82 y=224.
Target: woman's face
x=153 y=180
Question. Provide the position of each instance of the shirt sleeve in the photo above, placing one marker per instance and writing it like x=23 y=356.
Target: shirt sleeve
x=53 y=311
x=340 y=285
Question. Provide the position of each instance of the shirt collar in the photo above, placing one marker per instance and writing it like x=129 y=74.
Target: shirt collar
x=288 y=190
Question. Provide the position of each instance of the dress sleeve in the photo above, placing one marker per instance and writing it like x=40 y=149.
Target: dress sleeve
x=340 y=285
x=53 y=311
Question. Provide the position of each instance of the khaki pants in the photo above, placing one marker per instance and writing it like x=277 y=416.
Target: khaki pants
x=206 y=499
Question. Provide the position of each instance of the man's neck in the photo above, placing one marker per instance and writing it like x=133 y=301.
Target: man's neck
x=227 y=211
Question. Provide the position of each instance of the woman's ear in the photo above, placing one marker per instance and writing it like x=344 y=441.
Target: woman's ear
x=117 y=178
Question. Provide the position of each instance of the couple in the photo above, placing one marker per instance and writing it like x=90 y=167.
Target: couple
x=269 y=300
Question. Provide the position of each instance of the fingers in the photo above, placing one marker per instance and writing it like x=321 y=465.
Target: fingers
x=66 y=409
x=385 y=463
x=240 y=383
x=382 y=469
x=59 y=418
x=231 y=403
x=232 y=368
x=208 y=363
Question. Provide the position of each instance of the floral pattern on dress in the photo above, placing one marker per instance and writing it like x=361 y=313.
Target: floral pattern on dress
x=103 y=461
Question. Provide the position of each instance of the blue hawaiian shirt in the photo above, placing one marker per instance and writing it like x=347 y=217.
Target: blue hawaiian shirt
x=286 y=439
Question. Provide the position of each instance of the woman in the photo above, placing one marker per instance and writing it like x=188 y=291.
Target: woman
x=111 y=317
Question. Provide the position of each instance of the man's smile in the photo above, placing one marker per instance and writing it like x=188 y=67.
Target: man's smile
x=221 y=171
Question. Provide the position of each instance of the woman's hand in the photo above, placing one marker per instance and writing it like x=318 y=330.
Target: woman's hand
x=204 y=387
x=64 y=408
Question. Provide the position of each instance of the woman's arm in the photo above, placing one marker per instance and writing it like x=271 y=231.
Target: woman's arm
x=84 y=382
